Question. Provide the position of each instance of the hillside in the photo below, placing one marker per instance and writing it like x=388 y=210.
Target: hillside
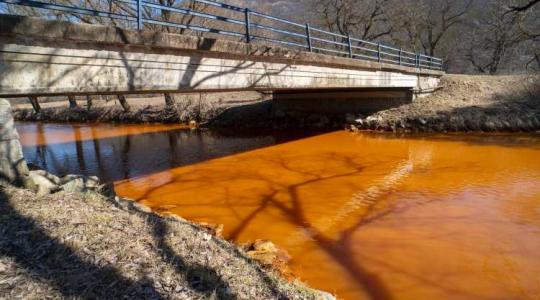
x=467 y=103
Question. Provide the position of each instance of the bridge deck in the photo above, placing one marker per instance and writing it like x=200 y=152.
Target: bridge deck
x=43 y=57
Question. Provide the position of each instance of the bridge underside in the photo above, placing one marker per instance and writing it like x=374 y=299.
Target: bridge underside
x=341 y=101
x=39 y=57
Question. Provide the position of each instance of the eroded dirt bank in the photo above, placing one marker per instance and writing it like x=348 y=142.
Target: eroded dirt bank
x=466 y=103
x=73 y=245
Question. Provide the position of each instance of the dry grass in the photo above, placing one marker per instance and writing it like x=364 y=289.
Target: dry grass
x=469 y=103
x=85 y=246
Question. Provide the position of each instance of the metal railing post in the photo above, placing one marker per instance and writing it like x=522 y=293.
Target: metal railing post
x=139 y=15
x=350 y=45
x=248 y=25
x=308 y=35
x=315 y=41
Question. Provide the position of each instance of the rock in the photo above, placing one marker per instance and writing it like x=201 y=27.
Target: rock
x=45 y=183
x=53 y=178
x=269 y=255
x=371 y=119
x=122 y=203
x=264 y=245
x=74 y=186
x=79 y=183
x=141 y=207
x=322 y=295
x=90 y=181
x=213 y=229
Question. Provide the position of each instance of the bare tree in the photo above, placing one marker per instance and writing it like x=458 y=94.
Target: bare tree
x=425 y=24
x=361 y=18
x=498 y=39
x=524 y=7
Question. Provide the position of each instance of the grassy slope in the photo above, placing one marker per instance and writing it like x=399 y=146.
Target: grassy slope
x=85 y=246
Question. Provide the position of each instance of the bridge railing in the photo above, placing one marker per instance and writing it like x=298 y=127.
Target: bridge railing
x=244 y=24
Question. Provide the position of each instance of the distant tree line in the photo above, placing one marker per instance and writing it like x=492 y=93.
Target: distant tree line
x=472 y=36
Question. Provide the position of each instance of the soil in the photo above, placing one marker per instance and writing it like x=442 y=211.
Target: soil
x=467 y=103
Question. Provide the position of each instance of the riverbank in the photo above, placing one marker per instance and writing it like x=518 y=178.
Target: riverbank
x=465 y=103
x=73 y=244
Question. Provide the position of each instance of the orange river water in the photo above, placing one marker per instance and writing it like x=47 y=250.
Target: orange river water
x=374 y=216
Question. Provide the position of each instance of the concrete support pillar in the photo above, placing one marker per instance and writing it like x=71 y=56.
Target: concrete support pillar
x=35 y=104
x=124 y=103
x=169 y=100
x=88 y=102
x=13 y=168
x=72 y=102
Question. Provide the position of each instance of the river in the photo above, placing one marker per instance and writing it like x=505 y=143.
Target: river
x=363 y=215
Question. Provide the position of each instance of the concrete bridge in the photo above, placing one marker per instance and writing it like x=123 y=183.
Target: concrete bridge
x=40 y=57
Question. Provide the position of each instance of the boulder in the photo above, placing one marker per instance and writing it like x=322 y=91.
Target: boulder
x=74 y=186
x=267 y=254
x=79 y=184
x=44 y=182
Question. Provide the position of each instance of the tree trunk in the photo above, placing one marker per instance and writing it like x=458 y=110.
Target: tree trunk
x=123 y=102
x=13 y=168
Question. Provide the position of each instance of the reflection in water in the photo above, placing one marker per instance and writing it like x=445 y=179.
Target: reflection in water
x=115 y=152
x=366 y=216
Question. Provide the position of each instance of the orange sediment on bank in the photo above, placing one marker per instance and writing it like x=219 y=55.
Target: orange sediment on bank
x=374 y=216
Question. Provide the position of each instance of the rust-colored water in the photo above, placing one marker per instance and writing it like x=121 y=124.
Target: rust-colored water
x=365 y=216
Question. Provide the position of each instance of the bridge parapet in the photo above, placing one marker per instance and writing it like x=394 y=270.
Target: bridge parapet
x=42 y=57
